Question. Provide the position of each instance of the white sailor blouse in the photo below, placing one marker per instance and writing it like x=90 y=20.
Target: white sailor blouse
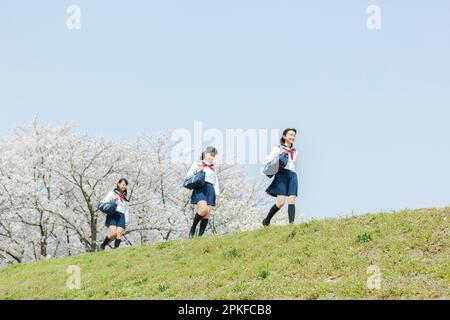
x=210 y=174
x=122 y=204
x=277 y=150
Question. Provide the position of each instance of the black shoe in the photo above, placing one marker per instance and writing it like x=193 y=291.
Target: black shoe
x=265 y=223
x=191 y=234
x=102 y=247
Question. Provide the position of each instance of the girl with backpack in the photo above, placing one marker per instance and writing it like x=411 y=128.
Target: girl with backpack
x=285 y=183
x=117 y=221
x=206 y=196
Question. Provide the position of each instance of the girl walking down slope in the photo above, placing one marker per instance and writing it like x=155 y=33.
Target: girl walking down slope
x=206 y=196
x=117 y=221
x=285 y=183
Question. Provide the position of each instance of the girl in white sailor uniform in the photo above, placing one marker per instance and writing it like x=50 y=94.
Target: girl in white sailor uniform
x=118 y=221
x=205 y=197
x=285 y=182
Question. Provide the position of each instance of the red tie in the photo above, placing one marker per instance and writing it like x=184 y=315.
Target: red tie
x=211 y=166
x=291 y=152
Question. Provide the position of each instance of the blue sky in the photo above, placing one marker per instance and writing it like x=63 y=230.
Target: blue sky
x=372 y=107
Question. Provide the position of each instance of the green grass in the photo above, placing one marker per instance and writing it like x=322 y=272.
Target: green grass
x=325 y=259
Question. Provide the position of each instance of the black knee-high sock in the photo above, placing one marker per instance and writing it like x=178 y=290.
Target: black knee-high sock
x=271 y=213
x=203 y=226
x=117 y=243
x=106 y=241
x=197 y=219
x=291 y=213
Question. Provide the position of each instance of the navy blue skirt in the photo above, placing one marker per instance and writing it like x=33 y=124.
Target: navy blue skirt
x=117 y=219
x=285 y=183
x=205 y=193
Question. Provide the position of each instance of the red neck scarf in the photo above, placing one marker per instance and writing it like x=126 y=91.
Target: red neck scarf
x=291 y=151
x=211 y=166
x=121 y=196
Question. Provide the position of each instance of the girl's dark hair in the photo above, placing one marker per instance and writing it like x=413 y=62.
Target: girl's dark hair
x=209 y=149
x=120 y=181
x=282 y=141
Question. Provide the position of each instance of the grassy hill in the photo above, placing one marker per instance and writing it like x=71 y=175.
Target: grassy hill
x=326 y=259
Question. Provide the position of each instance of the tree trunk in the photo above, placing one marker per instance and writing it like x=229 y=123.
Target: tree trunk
x=93 y=232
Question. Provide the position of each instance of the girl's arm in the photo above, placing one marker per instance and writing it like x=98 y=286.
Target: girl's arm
x=296 y=162
x=109 y=197
x=127 y=217
x=216 y=185
x=192 y=170
x=273 y=154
